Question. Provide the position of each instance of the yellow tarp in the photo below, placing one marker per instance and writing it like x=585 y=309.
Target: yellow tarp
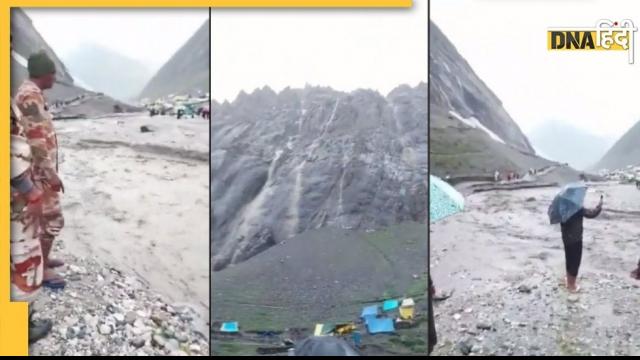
x=407 y=309
x=344 y=329
x=318 y=330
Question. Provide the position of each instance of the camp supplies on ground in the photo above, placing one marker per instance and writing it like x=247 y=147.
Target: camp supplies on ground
x=229 y=327
x=407 y=309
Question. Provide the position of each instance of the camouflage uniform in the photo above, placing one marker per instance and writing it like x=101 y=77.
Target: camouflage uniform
x=37 y=127
x=27 y=263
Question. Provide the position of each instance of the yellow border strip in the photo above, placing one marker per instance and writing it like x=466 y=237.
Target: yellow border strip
x=215 y=3
x=13 y=316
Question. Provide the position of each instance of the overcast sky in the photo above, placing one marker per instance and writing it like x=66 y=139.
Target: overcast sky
x=344 y=49
x=150 y=36
x=597 y=91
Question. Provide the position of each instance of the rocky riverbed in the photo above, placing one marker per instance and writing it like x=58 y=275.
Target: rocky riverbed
x=105 y=311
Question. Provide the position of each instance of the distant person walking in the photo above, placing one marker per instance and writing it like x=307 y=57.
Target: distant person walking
x=572 y=231
x=36 y=123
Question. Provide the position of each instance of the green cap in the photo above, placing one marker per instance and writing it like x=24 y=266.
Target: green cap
x=40 y=64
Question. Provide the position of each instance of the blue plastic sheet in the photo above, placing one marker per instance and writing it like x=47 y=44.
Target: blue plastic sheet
x=231 y=327
x=390 y=305
x=381 y=325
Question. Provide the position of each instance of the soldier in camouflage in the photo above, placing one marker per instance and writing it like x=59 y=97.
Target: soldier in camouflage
x=36 y=125
x=27 y=268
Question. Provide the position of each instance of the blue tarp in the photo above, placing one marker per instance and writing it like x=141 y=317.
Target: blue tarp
x=369 y=311
x=382 y=325
x=231 y=327
x=390 y=305
x=357 y=338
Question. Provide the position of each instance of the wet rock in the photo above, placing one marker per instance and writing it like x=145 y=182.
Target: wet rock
x=105 y=329
x=483 y=326
x=169 y=333
x=464 y=347
x=74 y=269
x=145 y=129
x=173 y=345
x=158 y=341
x=82 y=332
x=531 y=199
x=138 y=342
x=119 y=318
x=139 y=324
x=130 y=318
x=524 y=289
x=74 y=277
x=195 y=348
x=159 y=319
x=72 y=332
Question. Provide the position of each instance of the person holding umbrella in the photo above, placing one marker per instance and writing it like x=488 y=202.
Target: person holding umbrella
x=568 y=209
x=444 y=201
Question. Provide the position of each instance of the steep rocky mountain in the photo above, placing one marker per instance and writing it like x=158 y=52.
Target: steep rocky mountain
x=624 y=152
x=186 y=72
x=79 y=102
x=470 y=131
x=107 y=71
x=284 y=163
x=454 y=85
x=564 y=142
x=26 y=40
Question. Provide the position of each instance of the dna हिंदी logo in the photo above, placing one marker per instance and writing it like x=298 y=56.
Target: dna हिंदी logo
x=607 y=35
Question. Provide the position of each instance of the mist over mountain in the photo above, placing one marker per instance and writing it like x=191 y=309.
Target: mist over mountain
x=105 y=70
x=564 y=142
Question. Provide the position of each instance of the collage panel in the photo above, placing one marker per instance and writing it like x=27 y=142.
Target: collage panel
x=319 y=167
x=110 y=179
x=255 y=182
x=535 y=164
